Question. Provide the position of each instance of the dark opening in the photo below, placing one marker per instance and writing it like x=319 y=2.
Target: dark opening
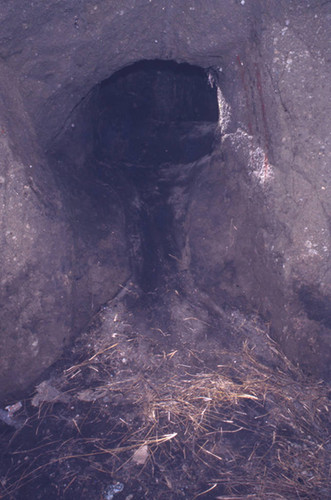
x=148 y=118
x=155 y=112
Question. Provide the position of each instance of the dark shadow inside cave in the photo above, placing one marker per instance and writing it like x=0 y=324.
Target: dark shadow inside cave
x=151 y=120
x=155 y=112
x=125 y=163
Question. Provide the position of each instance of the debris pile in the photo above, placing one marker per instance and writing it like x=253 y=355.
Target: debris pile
x=113 y=423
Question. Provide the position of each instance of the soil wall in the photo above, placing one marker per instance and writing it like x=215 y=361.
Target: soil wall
x=256 y=228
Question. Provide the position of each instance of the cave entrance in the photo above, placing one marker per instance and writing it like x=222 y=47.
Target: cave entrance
x=152 y=112
x=157 y=394
x=153 y=121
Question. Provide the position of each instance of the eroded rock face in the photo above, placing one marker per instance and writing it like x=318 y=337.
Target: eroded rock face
x=36 y=249
x=254 y=231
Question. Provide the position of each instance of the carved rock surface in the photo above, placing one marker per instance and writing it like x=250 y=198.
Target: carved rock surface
x=253 y=228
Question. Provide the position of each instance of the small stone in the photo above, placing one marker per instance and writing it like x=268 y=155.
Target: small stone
x=140 y=456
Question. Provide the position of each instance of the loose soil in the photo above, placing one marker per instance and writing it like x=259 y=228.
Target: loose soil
x=167 y=396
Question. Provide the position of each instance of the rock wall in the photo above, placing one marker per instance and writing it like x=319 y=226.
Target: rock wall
x=36 y=250
x=257 y=227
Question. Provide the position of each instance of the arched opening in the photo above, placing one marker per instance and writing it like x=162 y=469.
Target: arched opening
x=153 y=120
x=128 y=155
x=155 y=112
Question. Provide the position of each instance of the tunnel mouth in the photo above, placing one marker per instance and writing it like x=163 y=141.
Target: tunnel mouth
x=156 y=112
x=129 y=148
x=154 y=118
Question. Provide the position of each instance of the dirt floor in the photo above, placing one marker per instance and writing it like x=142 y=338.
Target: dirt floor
x=166 y=396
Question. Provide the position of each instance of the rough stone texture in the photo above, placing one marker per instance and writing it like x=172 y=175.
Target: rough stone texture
x=256 y=233
x=35 y=252
x=60 y=50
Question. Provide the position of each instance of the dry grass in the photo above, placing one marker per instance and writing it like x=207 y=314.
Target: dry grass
x=243 y=431
x=283 y=420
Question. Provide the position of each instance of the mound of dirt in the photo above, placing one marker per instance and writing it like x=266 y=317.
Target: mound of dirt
x=147 y=405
